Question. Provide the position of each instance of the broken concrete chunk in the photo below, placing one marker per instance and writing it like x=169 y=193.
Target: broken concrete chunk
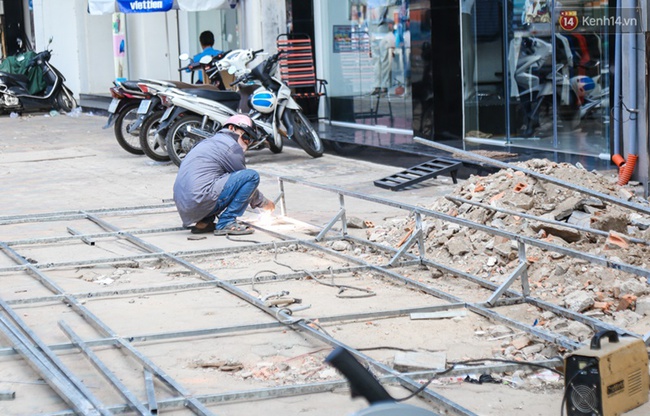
x=580 y=218
x=565 y=209
x=458 y=246
x=590 y=202
x=633 y=287
x=505 y=250
x=639 y=221
x=521 y=201
x=567 y=234
x=625 y=194
x=613 y=220
x=413 y=361
x=340 y=245
x=578 y=301
x=520 y=342
x=355 y=222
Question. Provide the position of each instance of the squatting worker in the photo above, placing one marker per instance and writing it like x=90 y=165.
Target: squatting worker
x=213 y=181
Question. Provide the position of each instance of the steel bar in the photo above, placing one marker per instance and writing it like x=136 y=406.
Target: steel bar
x=49 y=359
x=328 y=386
x=185 y=286
x=76 y=215
x=339 y=215
x=151 y=392
x=133 y=401
x=504 y=165
x=519 y=270
x=150 y=255
x=416 y=236
x=247 y=328
x=458 y=200
x=283 y=317
x=196 y=406
x=55 y=379
x=83 y=238
x=613 y=264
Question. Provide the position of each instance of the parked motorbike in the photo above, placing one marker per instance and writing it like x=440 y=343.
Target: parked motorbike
x=122 y=110
x=150 y=112
x=275 y=112
x=28 y=82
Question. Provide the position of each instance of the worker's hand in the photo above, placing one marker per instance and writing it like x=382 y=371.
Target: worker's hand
x=268 y=205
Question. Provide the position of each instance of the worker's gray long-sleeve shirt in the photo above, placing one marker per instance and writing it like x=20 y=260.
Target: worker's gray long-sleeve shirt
x=203 y=174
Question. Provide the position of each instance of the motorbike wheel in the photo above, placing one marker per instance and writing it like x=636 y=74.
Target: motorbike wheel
x=305 y=135
x=65 y=101
x=129 y=141
x=179 y=143
x=151 y=145
x=274 y=147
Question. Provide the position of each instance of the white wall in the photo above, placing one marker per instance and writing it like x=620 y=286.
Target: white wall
x=61 y=21
x=264 y=20
x=152 y=45
x=83 y=43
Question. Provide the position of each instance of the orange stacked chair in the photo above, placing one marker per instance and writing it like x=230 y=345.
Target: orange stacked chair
x=298 y=72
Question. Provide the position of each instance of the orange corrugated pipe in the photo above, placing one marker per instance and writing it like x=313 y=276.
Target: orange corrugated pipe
x=618 y=160
x=625 y=171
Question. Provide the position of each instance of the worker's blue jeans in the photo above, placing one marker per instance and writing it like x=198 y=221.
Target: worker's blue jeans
x=235 y=196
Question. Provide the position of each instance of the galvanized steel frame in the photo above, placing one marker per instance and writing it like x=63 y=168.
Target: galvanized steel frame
x=399 y=257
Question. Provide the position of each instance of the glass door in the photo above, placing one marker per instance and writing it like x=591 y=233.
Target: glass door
x=484 y=62
x=535 y=75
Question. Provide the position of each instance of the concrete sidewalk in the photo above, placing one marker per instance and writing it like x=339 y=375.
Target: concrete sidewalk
x=69 y=163
x=194 y=306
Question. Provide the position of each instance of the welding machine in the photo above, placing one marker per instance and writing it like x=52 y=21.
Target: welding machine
x=606 y=380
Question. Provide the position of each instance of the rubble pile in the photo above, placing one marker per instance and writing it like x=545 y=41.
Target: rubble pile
x=306 y=368
x=614 y=296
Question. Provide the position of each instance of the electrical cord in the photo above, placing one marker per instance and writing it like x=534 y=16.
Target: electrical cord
x=478 y=360
x=255 y=277
x=342 y=288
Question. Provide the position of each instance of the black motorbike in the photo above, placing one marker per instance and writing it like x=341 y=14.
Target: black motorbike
x=28 y=82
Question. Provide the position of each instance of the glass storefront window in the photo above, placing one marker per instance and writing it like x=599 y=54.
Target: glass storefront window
x=532 y=82
x=221 y=22
x=367 y=62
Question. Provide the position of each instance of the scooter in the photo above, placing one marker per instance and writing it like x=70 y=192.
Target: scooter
x=271 y=107
x=151 y=110
x=28 y=82
x=127 y=97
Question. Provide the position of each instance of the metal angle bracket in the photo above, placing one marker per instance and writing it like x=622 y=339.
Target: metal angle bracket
x=339 y=216
x=417 y=235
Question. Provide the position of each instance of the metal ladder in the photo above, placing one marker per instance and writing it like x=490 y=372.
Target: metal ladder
x=419 y=173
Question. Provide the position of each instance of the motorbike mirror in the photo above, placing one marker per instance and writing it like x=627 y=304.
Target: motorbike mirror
x=184 y=57
x=206 y=59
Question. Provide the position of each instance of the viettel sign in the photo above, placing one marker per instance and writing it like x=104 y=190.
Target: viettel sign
x=144 y=6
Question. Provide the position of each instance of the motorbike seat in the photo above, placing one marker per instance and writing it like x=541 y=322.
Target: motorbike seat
x=22 y=79
x=228 y=98
x=131 y=85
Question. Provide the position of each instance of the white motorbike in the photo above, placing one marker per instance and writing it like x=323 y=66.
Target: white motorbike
x=196 y=115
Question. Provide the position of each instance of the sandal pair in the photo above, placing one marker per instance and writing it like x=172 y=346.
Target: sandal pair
x=234 y=228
